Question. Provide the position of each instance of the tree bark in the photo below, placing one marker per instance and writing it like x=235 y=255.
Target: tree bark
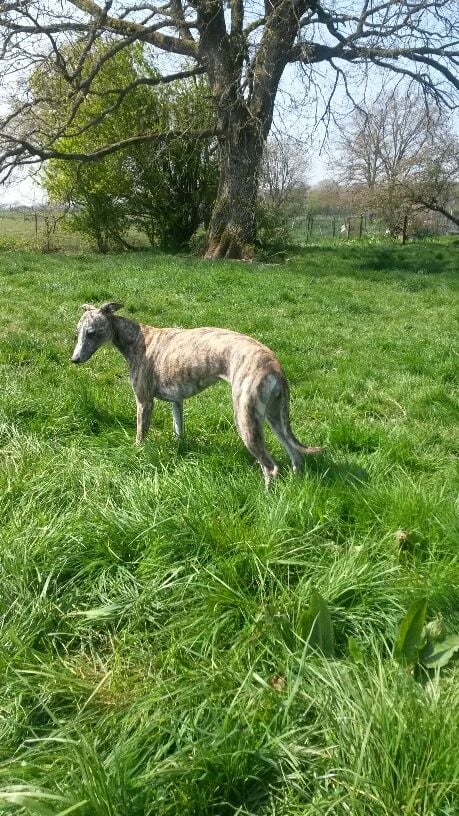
x=243 y=121
x=232 y=229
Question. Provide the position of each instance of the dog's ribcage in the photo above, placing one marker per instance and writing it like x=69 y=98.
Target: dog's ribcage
x=175 y=364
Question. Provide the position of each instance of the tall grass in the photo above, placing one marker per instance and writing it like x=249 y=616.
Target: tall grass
x=151 y=653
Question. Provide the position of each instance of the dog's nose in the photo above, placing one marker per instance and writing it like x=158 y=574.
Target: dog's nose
x=75 y=360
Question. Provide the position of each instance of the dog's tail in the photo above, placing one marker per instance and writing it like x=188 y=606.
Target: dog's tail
x=306 y=450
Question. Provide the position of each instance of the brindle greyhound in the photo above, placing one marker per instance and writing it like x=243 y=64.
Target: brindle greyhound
x=174 y=364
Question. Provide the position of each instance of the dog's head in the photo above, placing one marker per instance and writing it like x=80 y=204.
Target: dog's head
x=93 y=330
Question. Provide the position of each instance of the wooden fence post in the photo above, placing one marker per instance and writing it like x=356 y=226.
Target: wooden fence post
x=405 y=228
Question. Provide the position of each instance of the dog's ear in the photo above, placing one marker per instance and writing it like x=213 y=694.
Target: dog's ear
x=88 y=306
x=109 y=308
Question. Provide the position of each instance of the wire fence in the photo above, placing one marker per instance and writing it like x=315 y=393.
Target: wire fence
x=311 y=227
x=41 y=228
x=49 y=230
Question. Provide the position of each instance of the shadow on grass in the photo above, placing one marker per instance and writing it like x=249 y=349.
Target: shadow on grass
x=321 y=465
x=330 y=471
x=188 y=445
x=383 y=261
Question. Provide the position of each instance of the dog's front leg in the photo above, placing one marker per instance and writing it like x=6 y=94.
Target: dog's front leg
x=177 y=417
x=144 y=410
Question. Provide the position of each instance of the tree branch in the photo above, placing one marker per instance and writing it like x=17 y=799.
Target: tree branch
x=434 y=207
x=173 y=45
x=23 y=145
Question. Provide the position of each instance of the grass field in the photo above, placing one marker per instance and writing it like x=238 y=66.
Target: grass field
x=47 y=230
x=29 y=230
x=151 y=652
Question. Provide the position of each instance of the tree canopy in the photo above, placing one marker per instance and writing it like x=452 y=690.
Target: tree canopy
x=164 y=188
x=243 y=48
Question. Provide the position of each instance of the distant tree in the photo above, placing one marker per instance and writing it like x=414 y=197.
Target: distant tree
x=283 y=171
x=283 y=190
x=399 y=156
x=434 y=183
x=328 y=197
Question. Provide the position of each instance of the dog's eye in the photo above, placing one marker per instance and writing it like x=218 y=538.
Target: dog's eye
x=90 y=331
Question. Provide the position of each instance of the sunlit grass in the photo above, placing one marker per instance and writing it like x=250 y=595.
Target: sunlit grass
x=151 y=659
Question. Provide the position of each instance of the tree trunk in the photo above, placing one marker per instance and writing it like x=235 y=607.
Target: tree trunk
x=243 y=121
x=232 y=229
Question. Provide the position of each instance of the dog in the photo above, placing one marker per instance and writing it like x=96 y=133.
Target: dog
x=174 y=364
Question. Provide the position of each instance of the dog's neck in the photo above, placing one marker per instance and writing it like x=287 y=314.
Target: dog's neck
x=127 y=337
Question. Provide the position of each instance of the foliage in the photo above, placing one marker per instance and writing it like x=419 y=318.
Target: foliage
x=143 y=669
x=175 y=184
x=422 y=644
x=328 y=196
x=100 y=215
x=409 y=635
x=166 y=188
x=317 y=626
x=274 y=231
x=99 y=191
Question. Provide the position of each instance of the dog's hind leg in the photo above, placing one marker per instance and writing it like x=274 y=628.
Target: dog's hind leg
x=249 y=423
x=144 y=409
x=278 y=420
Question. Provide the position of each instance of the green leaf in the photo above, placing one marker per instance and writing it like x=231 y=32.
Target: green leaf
x=355 y=650
x=436 y=654
x=409 y=635
x=316 y=625
x=284 y=631
x=109 y=610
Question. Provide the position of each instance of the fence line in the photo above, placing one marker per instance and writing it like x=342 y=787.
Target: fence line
x=359 y=225
x=44 y=228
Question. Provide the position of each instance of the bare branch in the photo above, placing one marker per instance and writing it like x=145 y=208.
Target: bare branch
x=173 y=45
x=35 y=152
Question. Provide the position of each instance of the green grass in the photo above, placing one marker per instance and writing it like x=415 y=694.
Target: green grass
x=150 y=600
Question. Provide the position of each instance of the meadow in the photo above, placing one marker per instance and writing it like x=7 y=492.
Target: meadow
x=152 y=656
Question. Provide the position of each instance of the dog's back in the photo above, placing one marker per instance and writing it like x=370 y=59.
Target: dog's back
x=188 y=360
